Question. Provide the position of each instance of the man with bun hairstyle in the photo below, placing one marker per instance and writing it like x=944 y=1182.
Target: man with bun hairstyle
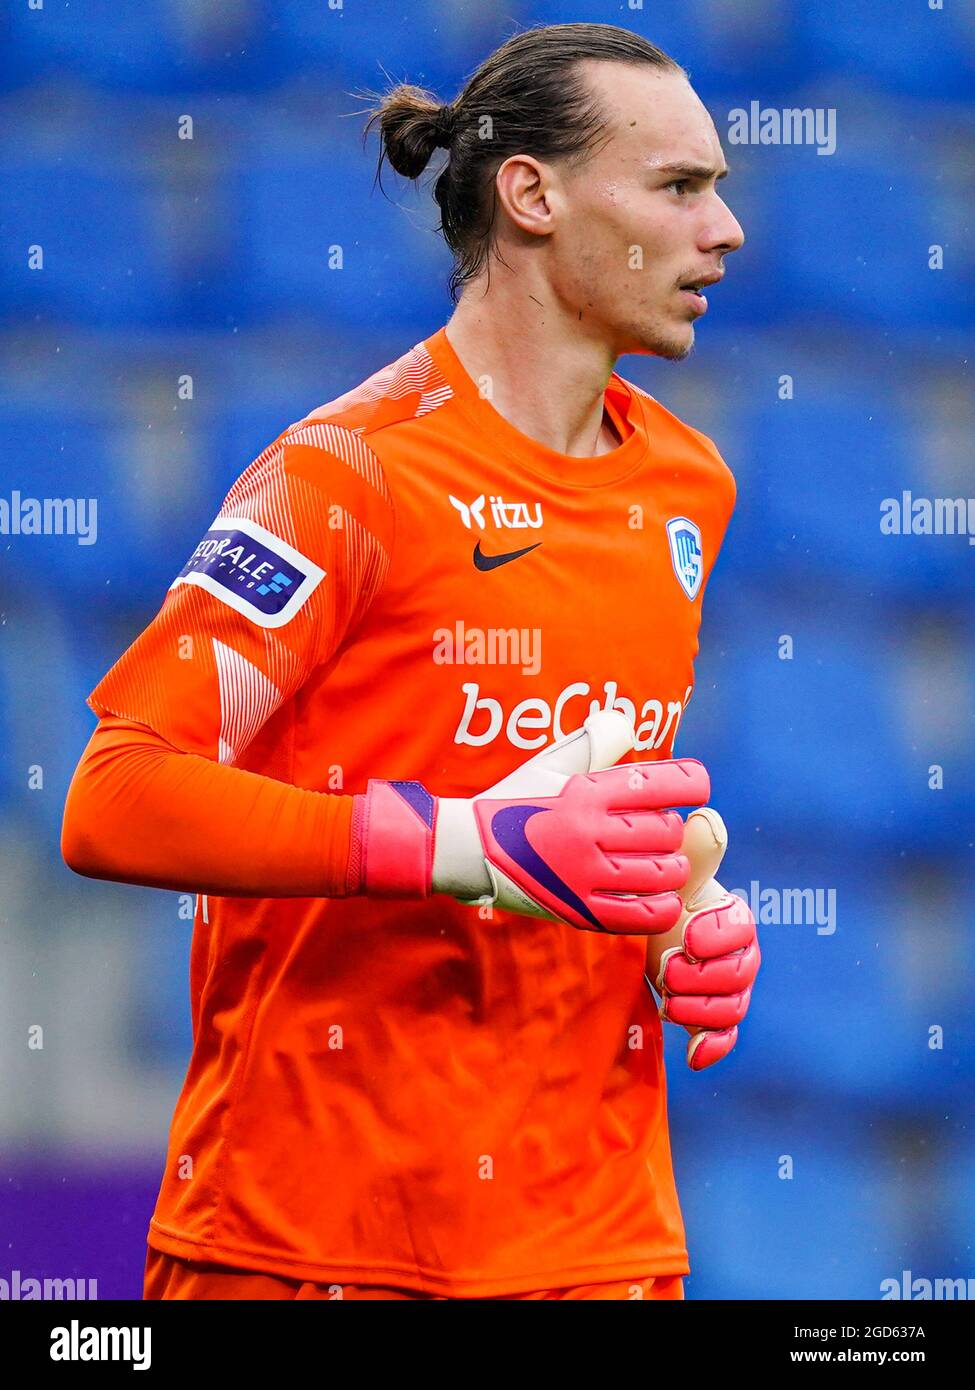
x=405 y=724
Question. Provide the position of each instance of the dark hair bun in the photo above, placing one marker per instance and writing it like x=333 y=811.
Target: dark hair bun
x=413 y=124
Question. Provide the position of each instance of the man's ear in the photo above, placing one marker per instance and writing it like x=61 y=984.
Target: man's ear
x=521 y=184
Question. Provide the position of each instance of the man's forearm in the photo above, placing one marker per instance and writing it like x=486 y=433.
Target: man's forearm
x=141 y=811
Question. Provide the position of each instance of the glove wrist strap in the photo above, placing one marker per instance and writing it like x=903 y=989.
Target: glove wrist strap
x=392 y=840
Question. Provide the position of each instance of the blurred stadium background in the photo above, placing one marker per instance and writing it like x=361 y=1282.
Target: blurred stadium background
x=209 y=258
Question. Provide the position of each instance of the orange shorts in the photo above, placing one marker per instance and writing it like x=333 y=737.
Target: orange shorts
x=168 y=1276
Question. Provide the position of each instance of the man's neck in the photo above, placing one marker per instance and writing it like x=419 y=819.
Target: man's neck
x=537 y=368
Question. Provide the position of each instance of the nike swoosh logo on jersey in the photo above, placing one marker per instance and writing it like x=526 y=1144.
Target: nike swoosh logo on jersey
x=491 y=562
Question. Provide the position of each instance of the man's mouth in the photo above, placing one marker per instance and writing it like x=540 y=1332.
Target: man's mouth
x=696 y=288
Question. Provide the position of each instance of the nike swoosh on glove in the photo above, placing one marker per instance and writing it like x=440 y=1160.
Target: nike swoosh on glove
x=567 y=835
x=704 y=970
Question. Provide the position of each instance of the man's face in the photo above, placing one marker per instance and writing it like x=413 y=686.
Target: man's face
x=642 y=219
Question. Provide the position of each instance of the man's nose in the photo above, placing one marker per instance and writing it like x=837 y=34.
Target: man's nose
x=724 y=231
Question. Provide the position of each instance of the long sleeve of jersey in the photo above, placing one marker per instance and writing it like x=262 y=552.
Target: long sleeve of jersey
x=193 y=778
x=141 y=811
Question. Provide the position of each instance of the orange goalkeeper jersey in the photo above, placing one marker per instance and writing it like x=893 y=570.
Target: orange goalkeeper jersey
x=426 y=1094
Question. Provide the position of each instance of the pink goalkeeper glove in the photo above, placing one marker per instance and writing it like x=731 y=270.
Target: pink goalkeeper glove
x=567 y=835
x=705 y=968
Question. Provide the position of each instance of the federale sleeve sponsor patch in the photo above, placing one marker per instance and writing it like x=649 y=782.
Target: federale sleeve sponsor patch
x=253 y=571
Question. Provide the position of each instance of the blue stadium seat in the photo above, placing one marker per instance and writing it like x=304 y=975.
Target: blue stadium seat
x=837 y=733
x=857 y=233
x=142 y=522
x=828 y=1232
x=307 y=200
x=171 y=48
x=94 y=226
x=821 y=466
x=42 y=691
x=426 y=43
x=900 y=50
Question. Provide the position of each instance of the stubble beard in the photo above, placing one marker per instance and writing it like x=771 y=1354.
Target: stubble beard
x=660 y=343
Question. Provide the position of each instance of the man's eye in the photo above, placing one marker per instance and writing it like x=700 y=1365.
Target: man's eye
x=679 y=185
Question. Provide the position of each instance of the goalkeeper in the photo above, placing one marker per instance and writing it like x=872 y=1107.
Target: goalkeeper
x=405 y=724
